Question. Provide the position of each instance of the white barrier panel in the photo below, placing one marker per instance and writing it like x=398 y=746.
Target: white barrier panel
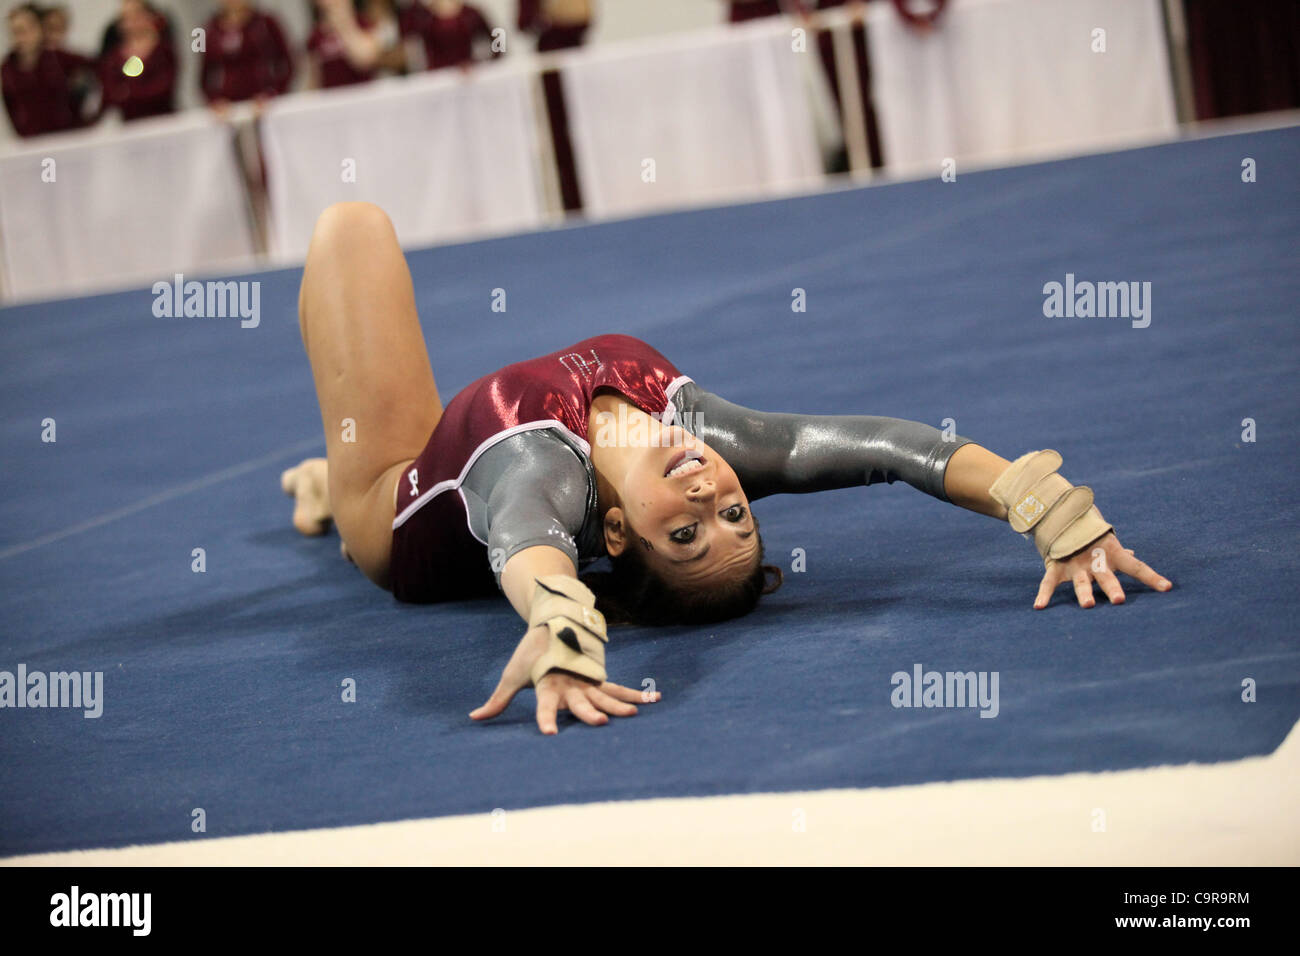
x=444 y=154
x=1009 y=79
x=112 y=208
x=723 y=115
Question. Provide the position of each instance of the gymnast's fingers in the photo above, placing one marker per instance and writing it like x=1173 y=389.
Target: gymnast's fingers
x=548 y=702
x=576 y=699
x=1051 y=579
x=1110 y=584
x=499 y=701
x=608 y=704
x=628 y=694
x=1083 y=588
x=1130 y=565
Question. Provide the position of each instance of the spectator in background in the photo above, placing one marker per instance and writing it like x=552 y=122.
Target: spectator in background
x=340 y=48
x=36 y=82
x=83 y=74
x=559 y=24
x=139 y=75
x=246 y=56
x=112 y=36
x=447 y=31
x=387 y=31
x=54 y=21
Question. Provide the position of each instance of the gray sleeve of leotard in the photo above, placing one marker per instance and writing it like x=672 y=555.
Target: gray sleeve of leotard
x=774 y=452
x=529 y=489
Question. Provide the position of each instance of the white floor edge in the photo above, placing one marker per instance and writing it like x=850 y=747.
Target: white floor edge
x=1241 y=812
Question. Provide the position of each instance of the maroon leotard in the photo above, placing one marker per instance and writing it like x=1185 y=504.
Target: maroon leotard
x=249 y=60
x=448 y=41
x=435 y=555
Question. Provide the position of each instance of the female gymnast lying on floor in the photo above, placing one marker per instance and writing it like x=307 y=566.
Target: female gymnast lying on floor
x=603 y=447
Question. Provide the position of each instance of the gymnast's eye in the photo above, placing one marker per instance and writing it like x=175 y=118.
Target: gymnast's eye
x=735 y=513
x=683 y=535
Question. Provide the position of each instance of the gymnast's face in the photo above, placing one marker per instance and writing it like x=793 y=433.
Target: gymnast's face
x=685 y=510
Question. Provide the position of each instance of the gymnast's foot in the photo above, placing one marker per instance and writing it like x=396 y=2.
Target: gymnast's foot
x=309 y=485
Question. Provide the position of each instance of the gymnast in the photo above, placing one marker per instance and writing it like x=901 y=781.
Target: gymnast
x=601 y=448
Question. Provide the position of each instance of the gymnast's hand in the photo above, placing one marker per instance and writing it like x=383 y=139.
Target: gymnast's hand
x=1099 y=560
x=559 y=690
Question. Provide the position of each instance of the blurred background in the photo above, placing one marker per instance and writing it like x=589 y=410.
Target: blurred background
x=144 y=139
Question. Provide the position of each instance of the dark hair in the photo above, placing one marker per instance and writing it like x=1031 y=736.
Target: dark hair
x=31 y=8
x=634 y=593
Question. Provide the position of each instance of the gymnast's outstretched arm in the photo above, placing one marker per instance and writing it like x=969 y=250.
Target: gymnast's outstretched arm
x=775 y=452
x=782 y=453
x=561 y=664
x=527 y=497
x=979 y=480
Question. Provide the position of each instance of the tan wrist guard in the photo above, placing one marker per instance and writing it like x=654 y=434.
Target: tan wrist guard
x=1060 y=516
x=577 y=630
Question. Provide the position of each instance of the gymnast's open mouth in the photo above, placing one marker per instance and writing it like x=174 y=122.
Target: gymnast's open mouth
x=683 y=463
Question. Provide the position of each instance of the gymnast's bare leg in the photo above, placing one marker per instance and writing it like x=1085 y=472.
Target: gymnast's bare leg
x=378 y=400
